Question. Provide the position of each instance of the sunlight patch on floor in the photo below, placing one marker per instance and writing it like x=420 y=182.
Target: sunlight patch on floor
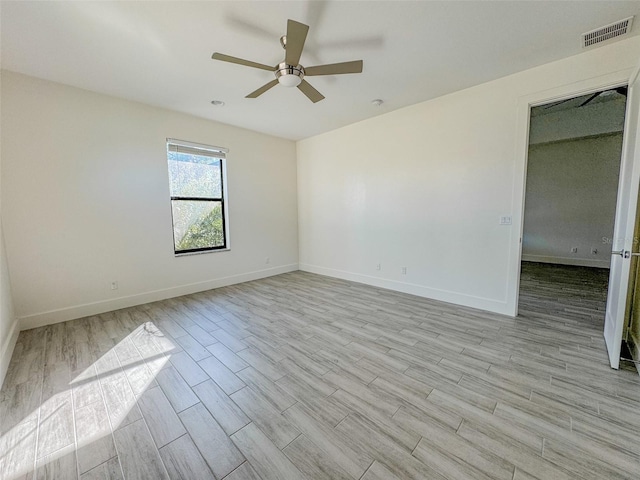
x=75 y=419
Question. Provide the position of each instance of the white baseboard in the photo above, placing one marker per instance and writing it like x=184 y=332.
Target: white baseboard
x=6 y=349
x=95 y=308
x=577 y=262
x=481 y=303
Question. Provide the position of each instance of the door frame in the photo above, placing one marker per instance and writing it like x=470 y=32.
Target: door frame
x=525 y=103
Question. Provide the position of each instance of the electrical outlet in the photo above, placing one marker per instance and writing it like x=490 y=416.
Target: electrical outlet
x=404 y=270
x=267 y=260
x=378 y=267
x=574 y=249
x=594 y=251
x=114 y=285
x=505 y=220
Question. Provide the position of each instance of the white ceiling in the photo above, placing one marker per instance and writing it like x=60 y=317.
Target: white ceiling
x=159 y=53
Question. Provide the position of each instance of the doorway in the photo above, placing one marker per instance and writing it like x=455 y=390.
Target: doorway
x=572 y=180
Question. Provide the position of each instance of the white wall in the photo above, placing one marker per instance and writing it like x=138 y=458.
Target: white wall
x=9 y=327
x=571 y=200
x=8 y=322
x=424 y=187
x=85 y=201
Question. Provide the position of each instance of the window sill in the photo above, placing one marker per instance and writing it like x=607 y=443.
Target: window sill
x=186 y=254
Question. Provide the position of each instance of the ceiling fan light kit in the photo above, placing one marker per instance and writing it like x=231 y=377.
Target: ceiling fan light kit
x=290 y=73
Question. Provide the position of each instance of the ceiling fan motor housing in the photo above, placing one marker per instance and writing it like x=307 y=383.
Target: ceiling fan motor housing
x=289 y=75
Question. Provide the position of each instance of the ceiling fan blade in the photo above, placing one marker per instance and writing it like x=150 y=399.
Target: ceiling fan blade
x=311 y=93
x=262 y=89
x=252 y=28
x=588 y=100
x=334 y=68
x=240 y=61
x=296 y=36
x=372 y=41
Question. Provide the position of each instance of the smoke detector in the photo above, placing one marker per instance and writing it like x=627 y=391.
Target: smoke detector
x=613 y=30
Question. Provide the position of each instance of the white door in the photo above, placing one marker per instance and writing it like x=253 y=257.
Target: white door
x=623 y=233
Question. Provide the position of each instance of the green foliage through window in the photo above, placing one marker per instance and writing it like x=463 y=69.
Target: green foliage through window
x=206 y=230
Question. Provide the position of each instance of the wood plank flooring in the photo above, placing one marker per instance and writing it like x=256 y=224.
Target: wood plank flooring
x=301 y=376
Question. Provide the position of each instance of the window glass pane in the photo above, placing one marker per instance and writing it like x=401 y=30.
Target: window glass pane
x=194 y=175
x=197 y=224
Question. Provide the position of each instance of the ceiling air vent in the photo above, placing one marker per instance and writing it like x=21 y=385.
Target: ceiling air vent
x=607 y=32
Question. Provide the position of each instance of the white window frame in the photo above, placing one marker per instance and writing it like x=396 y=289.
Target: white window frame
x=215 y=152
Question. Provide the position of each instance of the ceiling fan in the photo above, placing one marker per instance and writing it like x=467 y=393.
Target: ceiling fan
x=619 y=90
x=290 y=73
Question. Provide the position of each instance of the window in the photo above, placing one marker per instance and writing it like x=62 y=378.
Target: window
x=198 y=197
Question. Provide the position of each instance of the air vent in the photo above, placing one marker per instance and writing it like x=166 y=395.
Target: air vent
x=607 y=32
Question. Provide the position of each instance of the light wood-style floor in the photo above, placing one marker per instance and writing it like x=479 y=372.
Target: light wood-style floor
x=304 y=376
